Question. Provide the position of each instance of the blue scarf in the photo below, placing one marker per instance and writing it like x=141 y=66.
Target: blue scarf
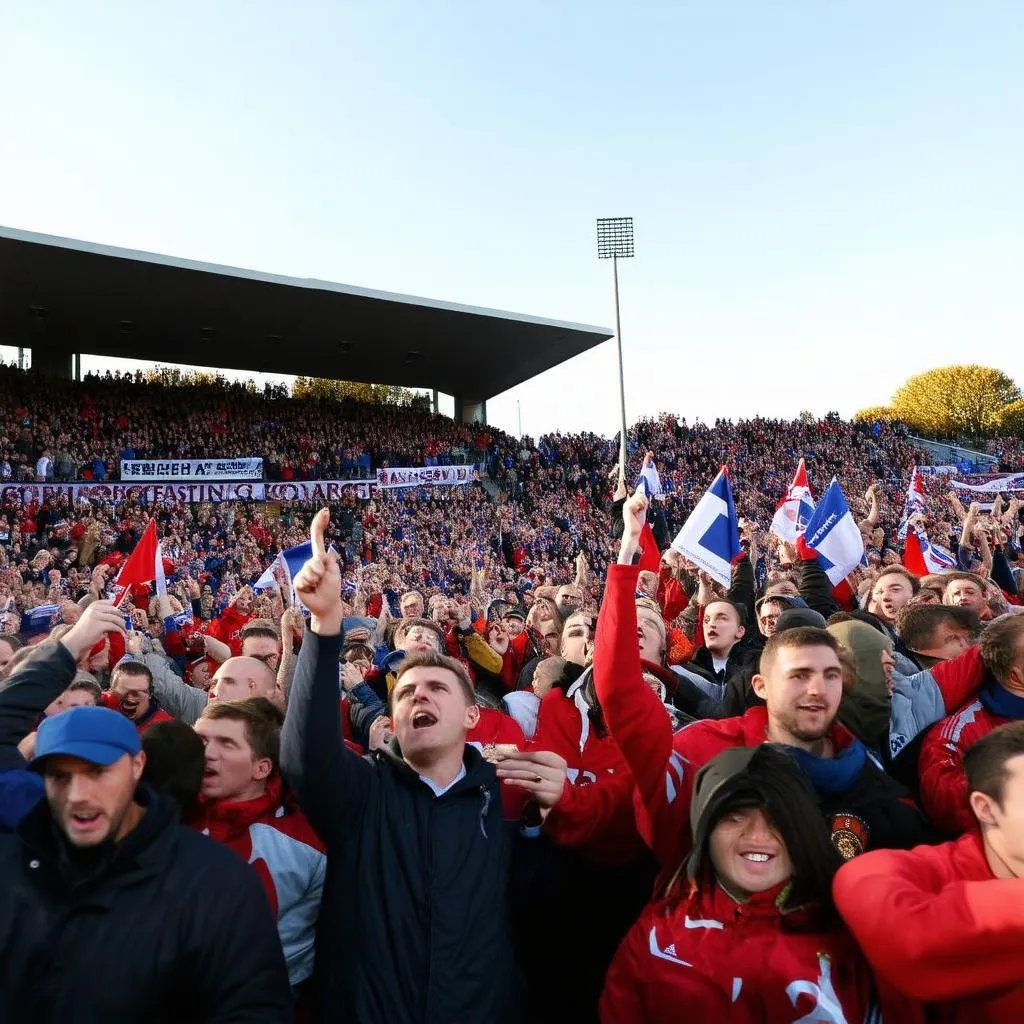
x=1001 y=702
x=833 y=776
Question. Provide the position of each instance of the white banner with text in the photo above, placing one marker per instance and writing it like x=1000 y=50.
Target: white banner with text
x=424 y=476
x=191 y=469
x=321 y=491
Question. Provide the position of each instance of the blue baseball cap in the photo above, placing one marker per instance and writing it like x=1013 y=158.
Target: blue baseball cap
x=97 y=735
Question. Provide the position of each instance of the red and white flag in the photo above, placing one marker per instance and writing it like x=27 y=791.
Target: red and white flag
x=143 y=566
x=795 y=509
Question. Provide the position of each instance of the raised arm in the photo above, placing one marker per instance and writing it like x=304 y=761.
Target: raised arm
x=638 y=722
x=46 y=676
x=332 y=783
x=953 y=940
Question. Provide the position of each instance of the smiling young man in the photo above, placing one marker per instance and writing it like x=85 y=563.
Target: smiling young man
x=801 y=682
x=417 y=845
x=244 y=807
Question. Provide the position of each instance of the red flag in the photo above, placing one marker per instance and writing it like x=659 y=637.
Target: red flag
x=650 y=556
x=913 y=556
x=143 y=566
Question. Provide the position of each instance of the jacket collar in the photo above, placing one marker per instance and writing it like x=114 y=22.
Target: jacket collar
x=99 y=874
x=479 y=773
x=228 y=819
x=755 y=730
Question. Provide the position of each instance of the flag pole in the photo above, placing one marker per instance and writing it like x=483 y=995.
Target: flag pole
x=615 y=242
x=622 y=376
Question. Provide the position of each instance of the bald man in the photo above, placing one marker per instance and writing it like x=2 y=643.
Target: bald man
x=235 y=679
x=239 y=678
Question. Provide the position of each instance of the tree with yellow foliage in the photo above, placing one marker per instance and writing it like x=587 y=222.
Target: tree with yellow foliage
x=1011 y=418
x=954 y=401
x=875 y=413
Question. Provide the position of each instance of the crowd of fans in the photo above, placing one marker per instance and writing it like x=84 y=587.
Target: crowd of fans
x=480 y=760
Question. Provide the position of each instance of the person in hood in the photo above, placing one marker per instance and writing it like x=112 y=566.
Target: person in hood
x=943 y=925
x=419 y=855
x=886 y=709
x=745 y=931
x=801 y=681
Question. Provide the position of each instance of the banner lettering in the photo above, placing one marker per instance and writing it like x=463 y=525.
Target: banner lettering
x=430 y=476
x=1001 y=483
x=323 y=491
x=191 y=469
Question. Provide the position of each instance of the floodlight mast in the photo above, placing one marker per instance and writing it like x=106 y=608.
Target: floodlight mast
x=615 y=242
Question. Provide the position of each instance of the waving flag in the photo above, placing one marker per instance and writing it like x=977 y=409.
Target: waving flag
x=921 y=558
x=915 y=502
x=833 y=534
x=649 y=480
x=40 y=619
x=710 y=538
x=143 y=566
x=795 y=509
x=267 y=580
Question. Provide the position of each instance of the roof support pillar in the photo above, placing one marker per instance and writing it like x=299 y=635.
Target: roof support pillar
x=470 y=410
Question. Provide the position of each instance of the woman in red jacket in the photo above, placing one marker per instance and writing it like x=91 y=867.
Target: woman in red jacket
x=753 y=937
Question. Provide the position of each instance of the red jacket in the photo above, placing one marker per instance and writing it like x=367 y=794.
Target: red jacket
x=228 y=627
x=664 y=766
x=275 y=838
x=939 y=930
x=941 y=765
x=736 y=962
x=595 y=811
x=496 y=727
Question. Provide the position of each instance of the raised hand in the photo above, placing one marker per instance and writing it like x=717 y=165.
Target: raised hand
x=540 y=772
x=100 y=618
x=318 y=582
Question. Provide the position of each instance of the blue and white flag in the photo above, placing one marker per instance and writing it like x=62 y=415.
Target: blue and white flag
x=184 y=617
x=834 y=535
x=710 y=537
x=292 y=561
x=40 y=619
x=267 y=580
x=649 y=480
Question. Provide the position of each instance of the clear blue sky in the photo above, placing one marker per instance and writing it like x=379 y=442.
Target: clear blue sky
x=828 y=196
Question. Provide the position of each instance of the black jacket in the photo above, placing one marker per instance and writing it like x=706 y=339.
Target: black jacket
x=167 y=926
x=415 y=925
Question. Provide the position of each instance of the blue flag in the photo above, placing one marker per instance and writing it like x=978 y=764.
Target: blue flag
x=834 y=535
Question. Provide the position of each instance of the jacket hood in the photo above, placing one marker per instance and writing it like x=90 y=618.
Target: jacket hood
x=765 y=775
x=865 y=707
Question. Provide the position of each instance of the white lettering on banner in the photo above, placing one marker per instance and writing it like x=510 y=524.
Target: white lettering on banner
x=191 y=469
x=1002 y=483
x=324 y=491
x=416 y=476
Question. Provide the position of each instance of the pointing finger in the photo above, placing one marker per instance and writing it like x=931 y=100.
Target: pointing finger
x=317 y=530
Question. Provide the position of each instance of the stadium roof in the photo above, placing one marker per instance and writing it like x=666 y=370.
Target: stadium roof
x=66 y=295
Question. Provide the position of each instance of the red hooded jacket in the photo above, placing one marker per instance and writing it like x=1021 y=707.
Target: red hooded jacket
x=940 y=931
x=745 y=963
x=595 y=811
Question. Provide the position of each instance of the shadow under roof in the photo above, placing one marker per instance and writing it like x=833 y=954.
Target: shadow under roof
x=66 y=295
